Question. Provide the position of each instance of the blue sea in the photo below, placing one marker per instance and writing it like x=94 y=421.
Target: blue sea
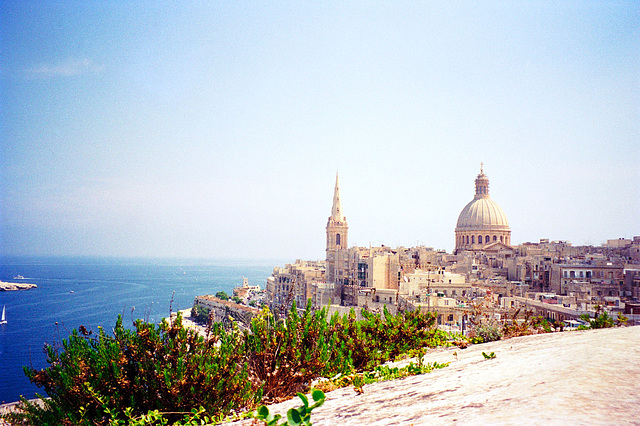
x=92 y=292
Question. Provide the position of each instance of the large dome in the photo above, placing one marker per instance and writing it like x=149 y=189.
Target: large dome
x=481 y=214
x=482 y=222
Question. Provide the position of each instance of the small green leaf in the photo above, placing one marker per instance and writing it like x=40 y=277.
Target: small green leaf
x=304 y=399
x=263 y=412
x=293 y=417
x=317 y=395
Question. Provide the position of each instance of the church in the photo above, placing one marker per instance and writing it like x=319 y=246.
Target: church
x=482 y=222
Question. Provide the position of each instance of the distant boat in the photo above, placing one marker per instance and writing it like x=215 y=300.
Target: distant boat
x=3 y=320
x=71 y=291
x=18 y=277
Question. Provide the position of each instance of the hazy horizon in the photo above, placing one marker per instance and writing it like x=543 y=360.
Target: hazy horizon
x=215 y=130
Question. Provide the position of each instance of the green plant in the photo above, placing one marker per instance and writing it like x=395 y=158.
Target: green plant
x=283 y=356
x=222 y=295
x=601 y=320
x=491 y=355
x=154 y=367
x=295 y=416
x=379 y=374
x=489 y=331
x=622 y=320
x=158 y=373
x=200 y=313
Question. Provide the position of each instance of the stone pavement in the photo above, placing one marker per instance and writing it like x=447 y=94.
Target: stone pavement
x=576 y=377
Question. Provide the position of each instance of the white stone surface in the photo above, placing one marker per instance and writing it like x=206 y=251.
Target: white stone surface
x=578 y=377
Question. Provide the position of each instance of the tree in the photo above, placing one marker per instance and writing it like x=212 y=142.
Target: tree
x=222 y=295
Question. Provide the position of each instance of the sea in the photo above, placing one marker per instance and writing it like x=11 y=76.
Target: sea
x=91 y=291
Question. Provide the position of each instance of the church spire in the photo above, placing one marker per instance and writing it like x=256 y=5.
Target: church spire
x=336 y=210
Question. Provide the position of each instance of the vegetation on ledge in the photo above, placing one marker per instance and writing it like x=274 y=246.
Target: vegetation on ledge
x=167 y=374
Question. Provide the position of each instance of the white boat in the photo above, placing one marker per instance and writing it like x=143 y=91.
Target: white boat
x=3 y=320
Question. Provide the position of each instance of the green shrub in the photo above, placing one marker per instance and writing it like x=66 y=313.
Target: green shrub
x=154 y=367
x=489 y=331
x=602 y=320
x=200 y=314
x=159 y=373
x=283 y=356
x=222 y=295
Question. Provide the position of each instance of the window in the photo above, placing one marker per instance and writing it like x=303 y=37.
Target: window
x=495 y=238
x=473 y=239
x=486 y=239
x=479 y=239
x=337 y=239
x=501 y=240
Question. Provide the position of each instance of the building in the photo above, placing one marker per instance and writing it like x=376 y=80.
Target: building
x=337 y=242
x=482 y=222
x=590 y=283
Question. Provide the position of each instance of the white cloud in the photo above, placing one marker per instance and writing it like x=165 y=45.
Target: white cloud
x=69 y=68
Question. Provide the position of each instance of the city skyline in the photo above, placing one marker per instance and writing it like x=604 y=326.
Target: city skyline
x=217 y=130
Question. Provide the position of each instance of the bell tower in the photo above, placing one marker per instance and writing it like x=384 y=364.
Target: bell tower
x=337 y=232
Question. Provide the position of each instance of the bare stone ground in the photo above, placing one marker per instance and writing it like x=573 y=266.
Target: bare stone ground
x=578 y=377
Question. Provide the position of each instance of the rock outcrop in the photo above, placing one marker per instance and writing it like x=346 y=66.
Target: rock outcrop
x=15 y=286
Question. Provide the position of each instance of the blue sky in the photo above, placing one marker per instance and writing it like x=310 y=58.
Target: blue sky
x=215 y=129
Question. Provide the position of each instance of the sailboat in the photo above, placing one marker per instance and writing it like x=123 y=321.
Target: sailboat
x=3 y=320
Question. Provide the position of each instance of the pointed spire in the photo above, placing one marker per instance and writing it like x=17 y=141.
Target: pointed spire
x=336 y=210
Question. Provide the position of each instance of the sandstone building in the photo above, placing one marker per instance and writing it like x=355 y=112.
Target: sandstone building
x=481 y=222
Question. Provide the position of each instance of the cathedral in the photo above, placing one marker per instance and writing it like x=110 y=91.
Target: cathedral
x=481 y=222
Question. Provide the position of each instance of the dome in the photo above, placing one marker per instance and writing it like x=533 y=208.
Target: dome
x=482 y=222
x=481 y=214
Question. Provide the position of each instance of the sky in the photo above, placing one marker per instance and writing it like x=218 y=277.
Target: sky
x=216 y=129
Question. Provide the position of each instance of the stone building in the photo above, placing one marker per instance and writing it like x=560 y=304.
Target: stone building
x=337 y=243
x=298 y=282
x=482 y=222
x=588 y=282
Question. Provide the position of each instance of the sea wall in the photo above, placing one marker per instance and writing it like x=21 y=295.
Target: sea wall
x=225 y=311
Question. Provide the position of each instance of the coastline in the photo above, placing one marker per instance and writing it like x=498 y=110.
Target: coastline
x=16 y=286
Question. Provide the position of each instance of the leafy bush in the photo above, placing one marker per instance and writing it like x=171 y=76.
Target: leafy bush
x=284 y=356
x=379 y=338
x=222 y=295
x=163 y=371
x=200 y=313
x=489 y=331
x=154 y=367
x=602 y=320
